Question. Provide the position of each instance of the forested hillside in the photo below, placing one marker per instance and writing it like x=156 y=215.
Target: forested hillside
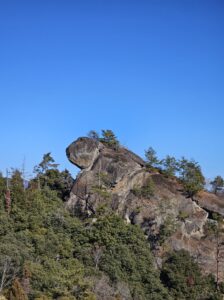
x=49 y=251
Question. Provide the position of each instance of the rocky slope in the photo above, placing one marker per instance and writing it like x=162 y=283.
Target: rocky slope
x=119 y=179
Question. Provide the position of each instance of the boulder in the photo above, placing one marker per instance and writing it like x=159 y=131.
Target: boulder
x=119 y=180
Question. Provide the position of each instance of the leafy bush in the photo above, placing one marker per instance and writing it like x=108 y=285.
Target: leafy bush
x=167 y=228
x=183 y=215
x=125 y=255
x=182 y=276
x=145 y=191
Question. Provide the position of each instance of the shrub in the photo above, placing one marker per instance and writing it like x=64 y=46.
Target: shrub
x=167 y=228
x=183 y=215
x=145 y=191
x=182 y=276
x=101 y=191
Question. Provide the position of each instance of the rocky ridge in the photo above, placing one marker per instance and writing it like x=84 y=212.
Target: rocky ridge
x=118 y=179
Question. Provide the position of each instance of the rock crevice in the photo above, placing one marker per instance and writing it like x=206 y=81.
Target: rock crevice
x=115 y=178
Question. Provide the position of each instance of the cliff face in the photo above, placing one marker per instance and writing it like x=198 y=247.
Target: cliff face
x=119 y=179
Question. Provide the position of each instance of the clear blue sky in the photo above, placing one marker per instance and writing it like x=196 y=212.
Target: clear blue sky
x=150 y=70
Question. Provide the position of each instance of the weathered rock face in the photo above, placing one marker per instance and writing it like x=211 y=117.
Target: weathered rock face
x=211 y=202
x=117 y=179
x=82 y=152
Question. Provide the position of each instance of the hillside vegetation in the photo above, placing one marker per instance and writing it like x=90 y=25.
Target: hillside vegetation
x=47 y=252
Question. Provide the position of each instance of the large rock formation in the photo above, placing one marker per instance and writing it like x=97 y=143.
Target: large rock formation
x=118 y=179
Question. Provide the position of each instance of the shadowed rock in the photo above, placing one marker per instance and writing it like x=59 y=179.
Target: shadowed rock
x=119 y=180
x=82 y=152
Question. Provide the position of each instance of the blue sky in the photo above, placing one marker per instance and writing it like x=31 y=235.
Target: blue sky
x=152 y=71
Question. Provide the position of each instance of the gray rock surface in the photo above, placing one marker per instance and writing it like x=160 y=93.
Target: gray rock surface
x=114 y=178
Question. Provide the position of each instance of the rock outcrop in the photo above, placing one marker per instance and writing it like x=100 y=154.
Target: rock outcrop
x=118 y=179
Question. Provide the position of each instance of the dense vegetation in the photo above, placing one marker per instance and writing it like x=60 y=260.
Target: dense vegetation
x=46 y=253
x=187 y=171
x=182 y=276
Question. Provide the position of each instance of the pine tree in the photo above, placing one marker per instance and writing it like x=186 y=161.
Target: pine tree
x=151 y=158
x=109 y=138
x=191 y=177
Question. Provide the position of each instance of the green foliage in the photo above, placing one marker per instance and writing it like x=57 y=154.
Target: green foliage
x=38 y=234
x=46 y=163
x=102 y=188
x=16 y=186
x=58 y=277
x=61 y=253
x=189 y=171
x=2 y=185
x=12 y=255
x=151 y=158
x=182 y=276
x=145 y=191
x=191 y=176
x=101 y=191
x=2 y=192
x=170 y=165
x=217 y=217
x=166 y=229
x=103 y=179
x=125 y=255
x=61 y=182
x=109 y=138
x=48 y=176
x=183 y=215
x=217 y=184
x=211 y=227
x=16 y=190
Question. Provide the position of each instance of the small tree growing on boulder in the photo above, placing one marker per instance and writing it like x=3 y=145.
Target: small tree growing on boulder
x=109 y=138
x=170 y=165
x=92 y=134
x=151 y=158
x=191 y=177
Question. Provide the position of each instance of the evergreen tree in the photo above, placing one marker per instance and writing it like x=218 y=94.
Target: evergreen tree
x=61 y=182
x=191 y=177
x=17 y=188
x=46 y=163
x=109 y=138
x=217 y=184
x=182 y=276
x=170 y=165
x=49 y=176
x=92 y=134
x=151 y=157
